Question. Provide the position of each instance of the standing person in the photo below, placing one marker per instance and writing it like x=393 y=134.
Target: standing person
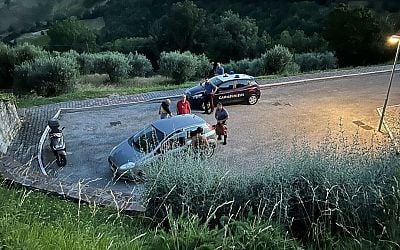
x=210 y=90
x=221 y=115
x=213 y=70
x=183 y=106
x=164 y=111
x=219 y=70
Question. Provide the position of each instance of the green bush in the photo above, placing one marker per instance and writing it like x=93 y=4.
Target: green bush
x=47 y=76
x=13 y=56
x=7 y=61
x=253 y=67
x=276 y=59
x=256 y=67
x=114 y=64
x=316 y=61
x=139 y=65
x=291 y=68
x=179 y=66
x=28 y=52
x=203 y=66
x=89 y=63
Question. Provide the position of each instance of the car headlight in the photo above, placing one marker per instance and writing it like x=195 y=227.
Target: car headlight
x=127 y=166
x=198 y=96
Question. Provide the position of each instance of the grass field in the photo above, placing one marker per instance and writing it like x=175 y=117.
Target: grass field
x=94 y=86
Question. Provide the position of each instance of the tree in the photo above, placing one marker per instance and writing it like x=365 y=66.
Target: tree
x=234 y=38
x=183 y=23
x=355 y=35
x=72 y=33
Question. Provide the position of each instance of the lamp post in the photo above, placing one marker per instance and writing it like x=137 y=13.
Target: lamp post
x=394 y=38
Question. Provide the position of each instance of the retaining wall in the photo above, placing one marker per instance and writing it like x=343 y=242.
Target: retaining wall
x=9 y=124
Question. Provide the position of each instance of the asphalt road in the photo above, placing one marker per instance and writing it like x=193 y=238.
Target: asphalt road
x=257 y=134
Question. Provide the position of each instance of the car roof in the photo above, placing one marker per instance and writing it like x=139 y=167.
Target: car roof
x=177 y=122
x=229 y=77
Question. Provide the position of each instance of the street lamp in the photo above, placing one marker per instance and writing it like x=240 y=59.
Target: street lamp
x=392 y=39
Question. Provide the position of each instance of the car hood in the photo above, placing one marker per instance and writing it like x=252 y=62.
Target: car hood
x=124 y=153
x=195 y=90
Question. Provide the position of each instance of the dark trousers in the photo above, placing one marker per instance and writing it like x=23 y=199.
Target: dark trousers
x=208 y=99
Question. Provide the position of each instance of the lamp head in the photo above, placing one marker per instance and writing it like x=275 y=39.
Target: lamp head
x=394 y=39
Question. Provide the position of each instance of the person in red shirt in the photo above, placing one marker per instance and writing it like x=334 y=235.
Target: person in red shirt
x=183 y=106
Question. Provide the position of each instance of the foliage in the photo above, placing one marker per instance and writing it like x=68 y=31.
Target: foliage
x=234 y=38
x=179 y=66
x=276 y=59
x=72 y=33
x=253 y=67
x=316 y=61
x=350 y=179
x=7 y=58
x=142 y=45
x=13 y=56
x=47 y=76
x=112 y=63
x=139 y=65
x=299 y=42
x=187 y=232
x=355 y=35
x=190 y=19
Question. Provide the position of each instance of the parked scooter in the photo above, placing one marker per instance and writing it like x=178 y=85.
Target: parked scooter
x=57 y=144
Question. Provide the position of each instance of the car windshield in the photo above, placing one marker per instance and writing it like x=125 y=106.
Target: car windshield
x=215 y=81
x=147 y=139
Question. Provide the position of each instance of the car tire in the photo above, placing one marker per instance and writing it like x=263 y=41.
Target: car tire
x=202 y=107
x=253 y=99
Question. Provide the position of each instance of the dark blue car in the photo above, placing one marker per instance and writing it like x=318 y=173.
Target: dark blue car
x=160 y=137
x=231 y=88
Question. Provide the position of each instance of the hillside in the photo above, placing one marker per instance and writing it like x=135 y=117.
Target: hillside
x=22 y=15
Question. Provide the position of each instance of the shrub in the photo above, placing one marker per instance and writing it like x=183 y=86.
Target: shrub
x=10 y=57
x=256 y=67
x=276 y=59
x=112 y=63
x=139 y=65
x=89 y=63
x=316 y=61
x=179 y=66
x=203 y=66
x=291 y=68
x=47 y=76
x=7 y=61
x=253 y=67
x=28 y=52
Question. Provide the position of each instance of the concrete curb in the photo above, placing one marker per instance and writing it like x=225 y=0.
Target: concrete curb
x=323 y=78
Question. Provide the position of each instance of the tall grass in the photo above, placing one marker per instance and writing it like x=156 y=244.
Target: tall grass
x=342 y=187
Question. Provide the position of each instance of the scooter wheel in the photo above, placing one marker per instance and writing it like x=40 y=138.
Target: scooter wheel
x=62 y=161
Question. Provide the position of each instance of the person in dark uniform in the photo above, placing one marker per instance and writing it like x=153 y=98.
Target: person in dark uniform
x=210 y=90
x=221 y=115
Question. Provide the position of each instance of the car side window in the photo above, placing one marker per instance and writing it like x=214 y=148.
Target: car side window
x=242 y=83
x=226 y=86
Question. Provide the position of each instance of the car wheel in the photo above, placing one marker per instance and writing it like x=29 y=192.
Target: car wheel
x=253 y=99
x=203 y=106
x=209 y=151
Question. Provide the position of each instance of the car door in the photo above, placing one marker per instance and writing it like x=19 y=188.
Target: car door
x=242 y=92
x=225 y=93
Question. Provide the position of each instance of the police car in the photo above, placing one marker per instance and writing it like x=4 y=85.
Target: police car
x=232 y=88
